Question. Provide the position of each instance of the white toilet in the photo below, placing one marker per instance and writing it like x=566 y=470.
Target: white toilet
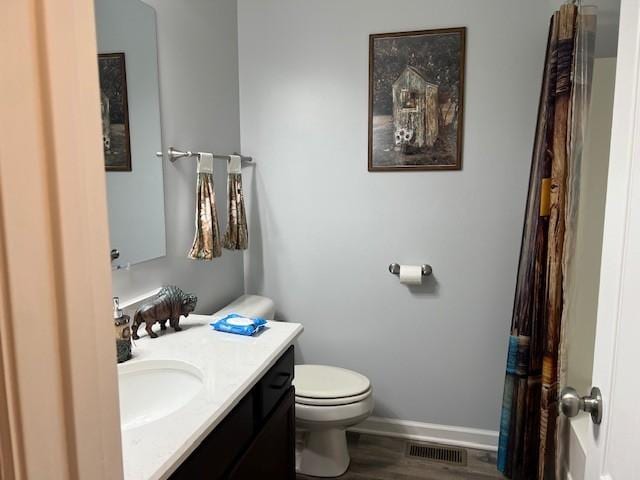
x=328 y=401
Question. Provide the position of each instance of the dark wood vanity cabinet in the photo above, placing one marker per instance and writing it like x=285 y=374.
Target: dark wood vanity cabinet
x=256 y=439
x=272 y=453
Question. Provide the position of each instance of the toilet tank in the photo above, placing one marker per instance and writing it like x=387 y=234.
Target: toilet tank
x=251 y=306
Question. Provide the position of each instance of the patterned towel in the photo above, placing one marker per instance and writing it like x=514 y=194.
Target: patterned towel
x=206 y=242
x=237 y=236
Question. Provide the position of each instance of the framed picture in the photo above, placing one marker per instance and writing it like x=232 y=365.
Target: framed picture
x=416 y=100
x=115 y=112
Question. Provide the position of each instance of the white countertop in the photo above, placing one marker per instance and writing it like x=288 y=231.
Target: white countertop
x=232 y=365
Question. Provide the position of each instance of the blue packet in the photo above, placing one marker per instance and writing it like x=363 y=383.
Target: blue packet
x=239 y=324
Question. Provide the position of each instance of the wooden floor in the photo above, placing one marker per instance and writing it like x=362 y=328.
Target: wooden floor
x=383 y=458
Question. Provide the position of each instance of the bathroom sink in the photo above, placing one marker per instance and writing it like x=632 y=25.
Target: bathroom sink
x=153 y=389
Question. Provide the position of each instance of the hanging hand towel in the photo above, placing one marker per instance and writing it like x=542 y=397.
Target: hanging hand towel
x=206 y=242
x=237 y=236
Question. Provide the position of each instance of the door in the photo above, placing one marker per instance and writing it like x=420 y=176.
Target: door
x=613 y=447
x=58 y=382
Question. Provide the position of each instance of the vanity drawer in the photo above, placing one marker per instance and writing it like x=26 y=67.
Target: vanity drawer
x=219 y=451
x=274 y=385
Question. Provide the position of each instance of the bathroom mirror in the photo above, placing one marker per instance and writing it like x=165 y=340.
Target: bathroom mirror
x=130 y=104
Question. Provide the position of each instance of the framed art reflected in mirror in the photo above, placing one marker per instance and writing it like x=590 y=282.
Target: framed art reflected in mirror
x=115 y=112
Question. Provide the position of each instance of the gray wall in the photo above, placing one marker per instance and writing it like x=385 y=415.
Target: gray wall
x=608 y=24
x=198 y=58
x=324 y=230
x=136 y=198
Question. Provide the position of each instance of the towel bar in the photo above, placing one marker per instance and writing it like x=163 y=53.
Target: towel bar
x=175 y=154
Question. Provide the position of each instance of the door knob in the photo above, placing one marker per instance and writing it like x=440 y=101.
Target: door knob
x=571 y=403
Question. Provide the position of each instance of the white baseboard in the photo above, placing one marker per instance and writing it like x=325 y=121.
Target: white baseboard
x=428 y=432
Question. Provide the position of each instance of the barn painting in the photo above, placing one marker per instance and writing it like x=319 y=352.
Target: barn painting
x=415 y=111
x=115 y=112
x=416 y=86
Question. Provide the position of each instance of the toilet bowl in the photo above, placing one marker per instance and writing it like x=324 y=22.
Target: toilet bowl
x=328 y=401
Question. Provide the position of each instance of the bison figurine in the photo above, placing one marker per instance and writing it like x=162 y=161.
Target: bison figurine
x=170 y=303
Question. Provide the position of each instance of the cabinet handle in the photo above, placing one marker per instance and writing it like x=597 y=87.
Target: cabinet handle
x=281 y=380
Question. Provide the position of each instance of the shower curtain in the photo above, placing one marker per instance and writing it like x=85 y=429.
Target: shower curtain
x=529 y=425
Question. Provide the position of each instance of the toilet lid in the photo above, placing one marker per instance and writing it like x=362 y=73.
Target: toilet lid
x=332 y=402
x=322 y=381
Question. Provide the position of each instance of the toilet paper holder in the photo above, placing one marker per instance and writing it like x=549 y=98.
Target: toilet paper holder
x=395 y=269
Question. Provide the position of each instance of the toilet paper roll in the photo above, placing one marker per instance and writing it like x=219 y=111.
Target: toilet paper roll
x=411 y=274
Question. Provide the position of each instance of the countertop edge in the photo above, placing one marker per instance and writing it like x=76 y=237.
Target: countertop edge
x=165 y=470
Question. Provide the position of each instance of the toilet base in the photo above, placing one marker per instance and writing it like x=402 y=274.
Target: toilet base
x=324 y=453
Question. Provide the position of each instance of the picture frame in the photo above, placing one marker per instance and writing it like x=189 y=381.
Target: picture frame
x=416 y=100
x=116 y=138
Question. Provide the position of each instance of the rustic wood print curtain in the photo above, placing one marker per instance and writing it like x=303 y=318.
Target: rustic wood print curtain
x=529 y=422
